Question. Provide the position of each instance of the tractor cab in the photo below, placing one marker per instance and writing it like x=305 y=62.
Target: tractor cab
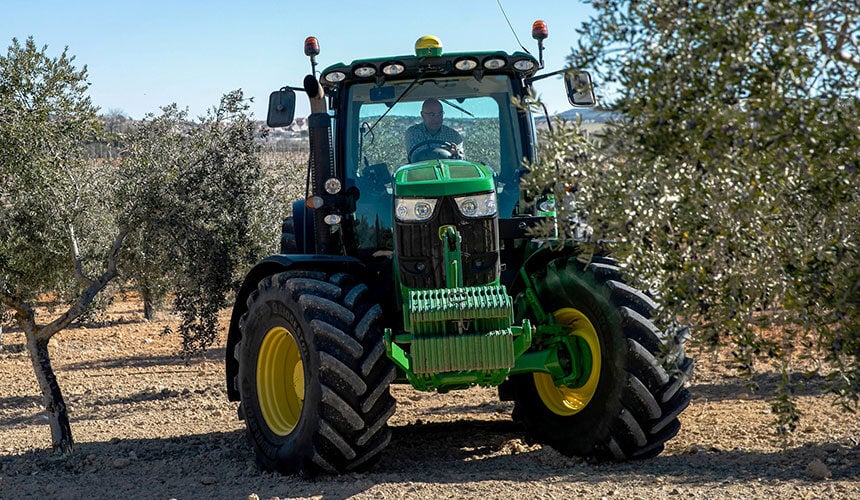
x=376 y=127
x=374 y=105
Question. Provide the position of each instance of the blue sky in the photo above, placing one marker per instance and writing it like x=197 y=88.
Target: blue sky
x=141 y=55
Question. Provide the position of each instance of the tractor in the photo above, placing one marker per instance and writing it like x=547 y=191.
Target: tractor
x=421 y=266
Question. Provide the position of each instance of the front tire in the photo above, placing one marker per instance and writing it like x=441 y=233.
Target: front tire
x=627 y=406
x=313 y=375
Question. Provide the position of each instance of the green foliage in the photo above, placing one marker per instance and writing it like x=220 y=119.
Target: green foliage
x=283 y=182
x=176 y=212
x=191 y=192
x=731 y=179
x=45 y=119
x=177 y=209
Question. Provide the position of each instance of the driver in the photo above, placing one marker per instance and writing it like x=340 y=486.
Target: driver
x=431 y=129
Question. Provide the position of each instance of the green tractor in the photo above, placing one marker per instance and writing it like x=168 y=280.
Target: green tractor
x=416 y=266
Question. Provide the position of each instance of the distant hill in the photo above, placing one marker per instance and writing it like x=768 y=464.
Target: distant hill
x=589 y=115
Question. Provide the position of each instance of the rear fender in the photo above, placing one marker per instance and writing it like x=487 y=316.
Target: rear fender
x=267 y=267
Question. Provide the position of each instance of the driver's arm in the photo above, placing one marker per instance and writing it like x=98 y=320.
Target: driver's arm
x=458 y=140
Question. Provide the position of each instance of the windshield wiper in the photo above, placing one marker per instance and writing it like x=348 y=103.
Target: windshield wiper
x=449 y=103
x=399 y=98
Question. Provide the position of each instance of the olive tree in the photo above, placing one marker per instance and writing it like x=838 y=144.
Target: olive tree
x=179 y=200
x=731 y=172
x=195 y=192
x=45 y=118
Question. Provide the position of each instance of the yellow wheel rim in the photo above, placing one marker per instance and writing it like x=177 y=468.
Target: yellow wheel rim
x=562 y=400
x=280 y=381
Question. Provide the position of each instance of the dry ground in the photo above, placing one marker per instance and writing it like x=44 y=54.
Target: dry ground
x=149 y=426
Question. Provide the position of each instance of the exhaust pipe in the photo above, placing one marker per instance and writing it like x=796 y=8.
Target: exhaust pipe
x=321 y=159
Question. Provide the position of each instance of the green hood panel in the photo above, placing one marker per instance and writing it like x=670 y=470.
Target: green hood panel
x=436 y=178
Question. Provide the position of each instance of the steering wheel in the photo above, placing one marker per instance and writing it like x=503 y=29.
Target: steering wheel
x=444 y=150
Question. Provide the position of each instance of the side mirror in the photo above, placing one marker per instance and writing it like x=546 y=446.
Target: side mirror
x=580 y=91
x=282 y=108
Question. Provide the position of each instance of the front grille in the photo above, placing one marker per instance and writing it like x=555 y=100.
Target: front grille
x=421 y=256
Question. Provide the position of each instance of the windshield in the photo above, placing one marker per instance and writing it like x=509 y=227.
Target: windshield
x=478 y=114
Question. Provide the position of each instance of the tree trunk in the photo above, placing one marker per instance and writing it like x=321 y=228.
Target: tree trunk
x=38 y=337
x=148 y=306
x=55 y=406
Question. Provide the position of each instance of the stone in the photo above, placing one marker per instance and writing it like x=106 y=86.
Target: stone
x=817 y=470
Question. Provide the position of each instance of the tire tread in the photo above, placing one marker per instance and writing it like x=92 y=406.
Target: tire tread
x=354 y=375
x=654 y=364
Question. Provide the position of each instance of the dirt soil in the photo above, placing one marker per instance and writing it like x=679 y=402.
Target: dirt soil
x=147 y=425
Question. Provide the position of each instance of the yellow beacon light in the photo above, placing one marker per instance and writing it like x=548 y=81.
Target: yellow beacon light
x=428 y=46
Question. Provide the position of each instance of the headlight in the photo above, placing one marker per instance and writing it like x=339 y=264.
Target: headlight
x=466 y=64
x=547 y=205
x=364 y=71
x=524 y=65
x=414 y=209
x=335 y=76
x=393 y=69
x=332 y=185
x=494 y=63
x=477 y=205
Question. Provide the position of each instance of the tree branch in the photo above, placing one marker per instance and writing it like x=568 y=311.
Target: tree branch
x=76 y=258
x=86 y=297
x=76 y=255
x=23 y=312
x=13 y=303
x=836 y=51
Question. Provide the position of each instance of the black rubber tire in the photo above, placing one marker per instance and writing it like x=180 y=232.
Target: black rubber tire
x=288 y=237
x=343 y=424
x=640 y=393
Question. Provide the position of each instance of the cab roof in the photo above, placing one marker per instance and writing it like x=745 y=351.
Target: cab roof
x=380 y=69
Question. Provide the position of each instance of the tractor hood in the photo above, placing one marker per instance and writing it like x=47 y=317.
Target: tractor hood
x=436 y=178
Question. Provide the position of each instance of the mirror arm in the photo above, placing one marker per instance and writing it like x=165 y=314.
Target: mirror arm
x=545 y=75
x=548 y=119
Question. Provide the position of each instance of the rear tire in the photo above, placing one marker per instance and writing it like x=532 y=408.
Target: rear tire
x=313 y=375
x=629 y=406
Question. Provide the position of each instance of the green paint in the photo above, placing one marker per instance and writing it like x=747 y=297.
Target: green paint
x=453 y=257
x=438 y=178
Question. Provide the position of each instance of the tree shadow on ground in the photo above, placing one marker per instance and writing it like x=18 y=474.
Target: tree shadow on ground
x=94 y=323
x=477 y=445
x=761 y=386
x=16 y=410
x=463 y=451
x=145 y=361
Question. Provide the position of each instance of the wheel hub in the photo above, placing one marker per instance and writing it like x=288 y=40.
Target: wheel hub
x=566 y=401
x=280 y=381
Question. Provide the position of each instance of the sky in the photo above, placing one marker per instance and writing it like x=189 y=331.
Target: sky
x=141 y=55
